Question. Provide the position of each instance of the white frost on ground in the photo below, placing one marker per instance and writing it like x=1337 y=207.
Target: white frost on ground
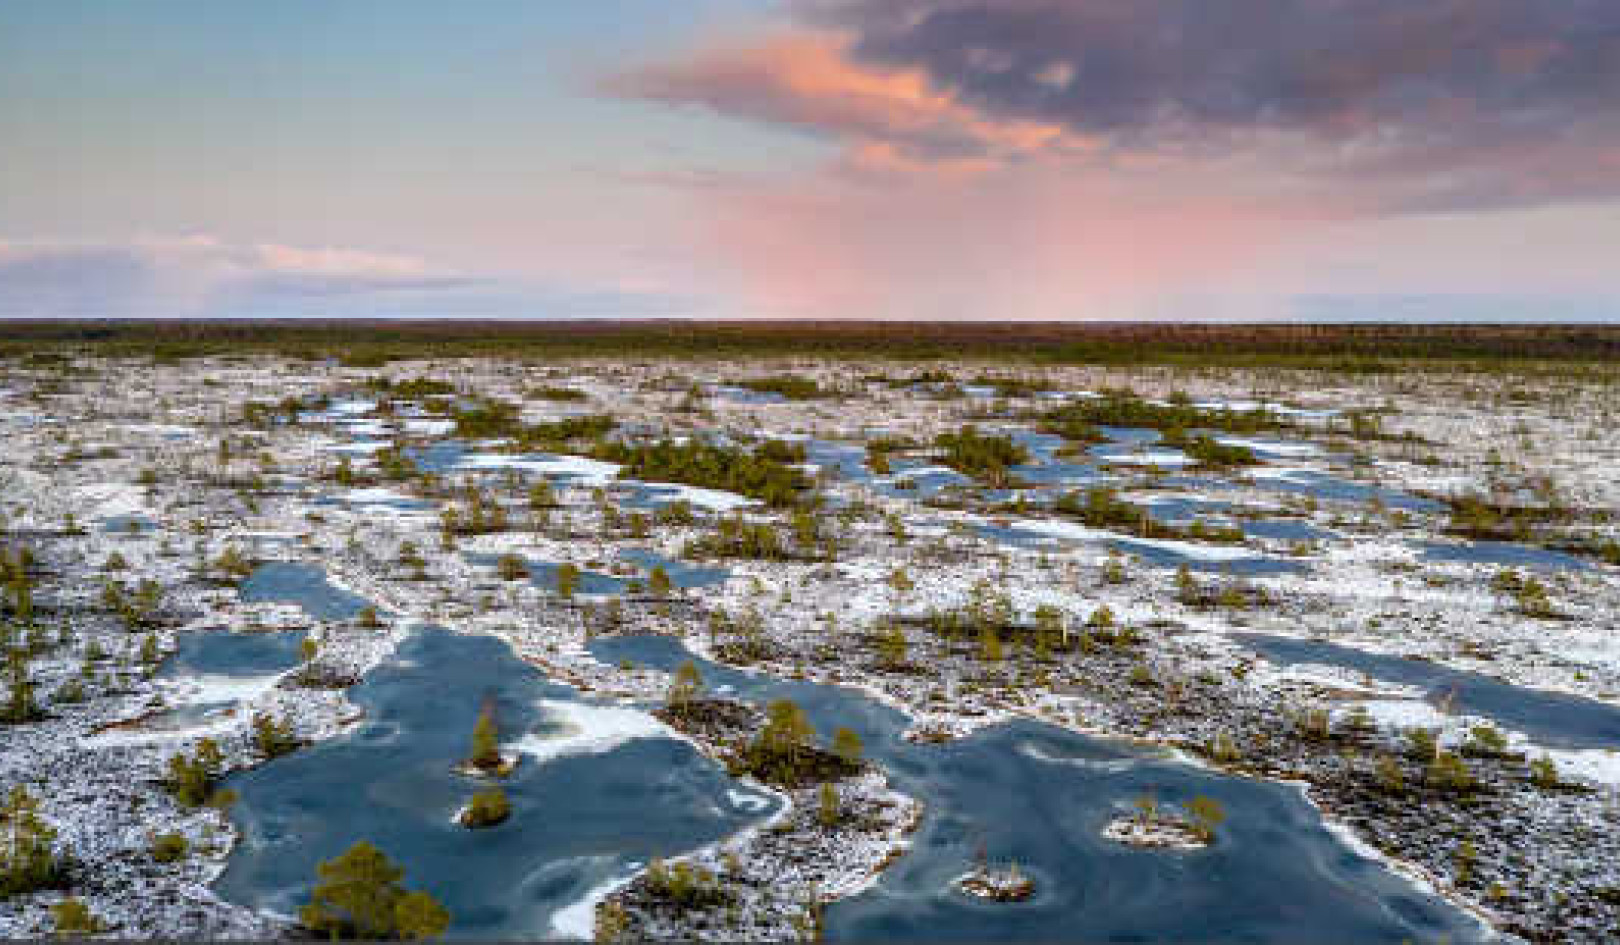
x=1406 y=713
x=208 y=690
x=714 y=499
x=360 y=448
x=112 y=499
x=114 y=738
x=374 y=495
x=422 y=427
x=1600 y=765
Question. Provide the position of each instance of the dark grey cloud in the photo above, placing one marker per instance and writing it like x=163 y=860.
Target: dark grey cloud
x=1442 y=104
x=1123 y=65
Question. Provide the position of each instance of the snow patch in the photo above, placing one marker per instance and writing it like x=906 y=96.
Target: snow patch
x=1076 y=532
x=591 y=470
x=577 y=920
x=714 y=500
x=588 y=729
x=421 y=427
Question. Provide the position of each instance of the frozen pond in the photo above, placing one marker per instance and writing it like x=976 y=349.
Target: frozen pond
x=217 y=669
x=130 y=524
x=681 y=573
x=288 y=582
x=1206 y=558
x=592 y=797
x=1550 y=719
x=1040 y=796
x=221 y=653
x=543 y=574
x=1322 y=485
x=1505 y=554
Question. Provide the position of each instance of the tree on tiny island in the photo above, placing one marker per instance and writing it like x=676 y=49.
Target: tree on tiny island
x=1207 y=814
x=486 y=747
x=486 y=809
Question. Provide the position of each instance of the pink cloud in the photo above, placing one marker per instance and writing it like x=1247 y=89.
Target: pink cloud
x=890 y=118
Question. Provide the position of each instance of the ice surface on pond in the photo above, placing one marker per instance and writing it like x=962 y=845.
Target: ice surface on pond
x=304 y=585
x=358 y=448
x=1040 y=796
x=1503 y=553
x=579 y=728
x=586 y=810
x=1546 y=718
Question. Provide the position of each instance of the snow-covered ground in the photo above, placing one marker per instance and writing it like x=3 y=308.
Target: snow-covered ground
x=144 y=441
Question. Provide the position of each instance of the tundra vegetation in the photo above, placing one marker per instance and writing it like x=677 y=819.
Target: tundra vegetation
x=1438 y=493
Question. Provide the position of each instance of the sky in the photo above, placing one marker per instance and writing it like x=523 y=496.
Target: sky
x=1322 y=160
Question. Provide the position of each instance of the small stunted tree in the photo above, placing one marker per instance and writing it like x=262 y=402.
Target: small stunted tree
x=830 y=810
x=892 y=646
x=900 y=583
x=612 y=921
x=1206 y=814
x=410 y=556
x=567 y=579
x=1448 y=772
x=1050 y=629
x=782 y=749
x=361 y=896
x=989 y=644
x=512 y=568
x=28 y=857
x=1544 y=772
x=272 y=736
x=788 y=729
x=1390 y=778
x=486 y=747
x=685 y=688
x=846 y=744
x=191 y=780
x=72 y=917
x=1188 y=590
x=419 y=916
x=232 y=565
x=21 y=704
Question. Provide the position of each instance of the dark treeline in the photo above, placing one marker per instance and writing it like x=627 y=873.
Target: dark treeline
x=361 y=342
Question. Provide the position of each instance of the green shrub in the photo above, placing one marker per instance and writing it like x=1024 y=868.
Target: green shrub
x=169 y=847
x=486 y=809
x=73 y=917
x=28 y=857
